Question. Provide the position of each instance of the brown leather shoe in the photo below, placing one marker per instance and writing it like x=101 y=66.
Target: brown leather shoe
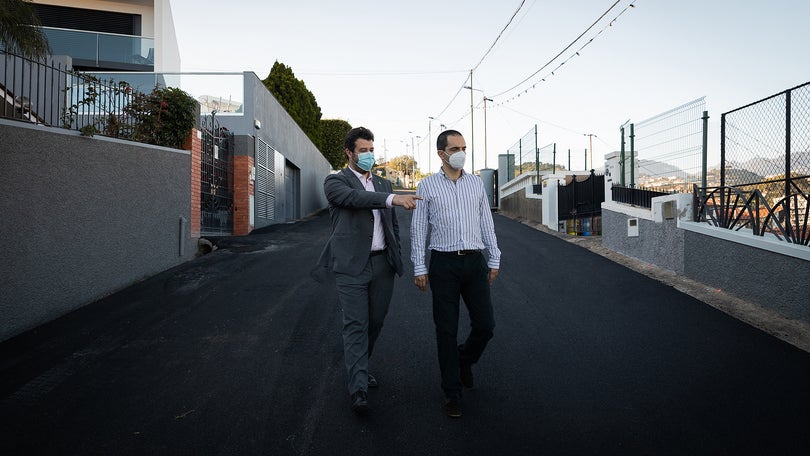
x=452 y=407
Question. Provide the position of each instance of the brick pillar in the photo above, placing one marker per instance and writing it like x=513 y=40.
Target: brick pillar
x=194 y=144
x=242 y=191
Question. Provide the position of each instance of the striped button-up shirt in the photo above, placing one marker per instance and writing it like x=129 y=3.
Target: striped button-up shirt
x=459 y=218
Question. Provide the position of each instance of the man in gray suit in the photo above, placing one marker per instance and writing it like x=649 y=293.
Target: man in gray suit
x=364 y=254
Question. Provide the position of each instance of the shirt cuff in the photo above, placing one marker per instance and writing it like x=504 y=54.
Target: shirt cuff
x=389 y=200
x=494 y=264
x=419 y=270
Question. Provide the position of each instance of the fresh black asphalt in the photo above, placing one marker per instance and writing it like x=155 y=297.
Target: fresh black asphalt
x=238 y=352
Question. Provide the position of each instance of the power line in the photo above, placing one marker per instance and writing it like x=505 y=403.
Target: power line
x=561 y=52
x=499 y=34
x=461 y=87
x=391 y=73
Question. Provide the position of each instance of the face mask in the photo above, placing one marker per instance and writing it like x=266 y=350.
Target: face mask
x=457 y=159
x=365 y=161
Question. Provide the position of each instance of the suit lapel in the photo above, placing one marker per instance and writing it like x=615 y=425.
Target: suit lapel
x=354 y=182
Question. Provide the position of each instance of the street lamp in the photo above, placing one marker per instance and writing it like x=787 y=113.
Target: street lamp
x=414 y=157
x=472 y=142
x=430 y=138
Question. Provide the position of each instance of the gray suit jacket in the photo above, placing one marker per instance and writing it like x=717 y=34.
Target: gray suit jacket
x=350 y=208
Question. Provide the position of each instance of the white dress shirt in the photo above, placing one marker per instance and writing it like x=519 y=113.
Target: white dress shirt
x=459 y=218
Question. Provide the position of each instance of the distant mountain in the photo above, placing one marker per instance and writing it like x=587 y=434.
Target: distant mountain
x=656 y=168
x=799 y=163
x=752 y=170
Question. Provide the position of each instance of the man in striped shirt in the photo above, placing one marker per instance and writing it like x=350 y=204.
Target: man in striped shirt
x=456 y=210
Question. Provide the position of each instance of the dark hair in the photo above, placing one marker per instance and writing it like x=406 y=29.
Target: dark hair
x=441 y=141
x=357 y=133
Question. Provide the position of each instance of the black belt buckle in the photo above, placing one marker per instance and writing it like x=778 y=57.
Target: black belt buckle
x=377 y=252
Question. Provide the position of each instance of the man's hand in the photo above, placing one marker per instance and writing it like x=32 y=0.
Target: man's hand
x=421 y=281
x=408 y=202
x=493 y=274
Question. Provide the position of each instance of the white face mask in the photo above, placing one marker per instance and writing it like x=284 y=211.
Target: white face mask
x=457 y=159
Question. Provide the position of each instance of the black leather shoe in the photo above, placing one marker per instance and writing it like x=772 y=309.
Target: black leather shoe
x=372 y=381
x=465 y=372
x=359 y=402
x=452 y=407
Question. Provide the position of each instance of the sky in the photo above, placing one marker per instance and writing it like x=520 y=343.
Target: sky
x=390 y=66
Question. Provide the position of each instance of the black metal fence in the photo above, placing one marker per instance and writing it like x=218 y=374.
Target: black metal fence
x=52 y=94
x=765 y=169
x=636 y=196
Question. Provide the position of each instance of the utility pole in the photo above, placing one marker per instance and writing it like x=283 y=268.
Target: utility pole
x=430 y=120
x=472 y=127
x=485 y=130
x=590 y=137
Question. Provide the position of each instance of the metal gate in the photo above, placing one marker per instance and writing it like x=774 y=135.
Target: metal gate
x=579 y=205
x=216 y=178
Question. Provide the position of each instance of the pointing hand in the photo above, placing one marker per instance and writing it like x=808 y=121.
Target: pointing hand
x=407 y=202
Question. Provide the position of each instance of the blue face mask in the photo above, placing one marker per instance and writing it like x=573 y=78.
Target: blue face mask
x=365 y=161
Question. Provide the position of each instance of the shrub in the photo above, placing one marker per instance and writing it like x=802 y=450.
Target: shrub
x=163 y=117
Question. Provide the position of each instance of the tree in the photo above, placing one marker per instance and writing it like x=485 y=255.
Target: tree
x=403 y=163
x=297 y=100
x=20 y=30
x=333 y=132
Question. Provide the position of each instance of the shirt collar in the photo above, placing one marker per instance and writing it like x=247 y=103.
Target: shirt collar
x=463 y=173
x=362 y=177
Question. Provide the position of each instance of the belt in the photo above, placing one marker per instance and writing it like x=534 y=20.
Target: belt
x=377 y=252
x=458 y=252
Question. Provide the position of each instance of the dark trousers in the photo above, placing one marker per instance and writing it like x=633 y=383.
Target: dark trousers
x=452 y=277
x=365 y=299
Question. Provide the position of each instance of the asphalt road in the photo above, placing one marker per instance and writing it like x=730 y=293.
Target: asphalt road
x=239 y=353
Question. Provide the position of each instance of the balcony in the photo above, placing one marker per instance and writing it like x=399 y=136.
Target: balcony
x=103 y=51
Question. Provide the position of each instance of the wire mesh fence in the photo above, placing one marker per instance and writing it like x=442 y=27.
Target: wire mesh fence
x=767 y=142
x=667 y=150
x=764 y=182
x=525 y=152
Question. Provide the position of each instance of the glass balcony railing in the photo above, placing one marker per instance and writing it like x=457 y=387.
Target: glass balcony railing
x=102 y=50
x=223 y=92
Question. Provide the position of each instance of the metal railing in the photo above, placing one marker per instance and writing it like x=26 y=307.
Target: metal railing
x=635 y=196
x=737 y=208
x=54 y=95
